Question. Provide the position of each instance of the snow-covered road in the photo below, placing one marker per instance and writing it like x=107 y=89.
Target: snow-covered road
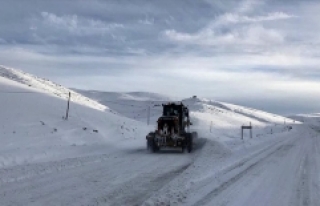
x=123 y=181
x=115 y=178
x=282 y=171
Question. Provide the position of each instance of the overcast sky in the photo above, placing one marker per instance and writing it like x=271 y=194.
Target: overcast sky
x=259 y=53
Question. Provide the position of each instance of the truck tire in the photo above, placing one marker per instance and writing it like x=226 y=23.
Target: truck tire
x=151 y=145
x=154 y=147
x=183 y=147
x=189 y=141
x=194 y=135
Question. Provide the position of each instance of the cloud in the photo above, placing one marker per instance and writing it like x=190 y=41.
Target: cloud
x=237 y=18
x=248 y=5
x=238 y=30
x=77 y=25
x=235 y=28
x=225 y=49
x=67 y=21
x=147 y=21
x=231 y=78
x=248 y=35
x=2 y=41
x=239 y=6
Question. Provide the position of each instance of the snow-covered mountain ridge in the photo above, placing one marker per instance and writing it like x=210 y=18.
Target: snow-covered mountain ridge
x=211 y=118
x=33 y=128
x=48 y=86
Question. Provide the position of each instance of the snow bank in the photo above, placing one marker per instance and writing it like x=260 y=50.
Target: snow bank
x=33 y=128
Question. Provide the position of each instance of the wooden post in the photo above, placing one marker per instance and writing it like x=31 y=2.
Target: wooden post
x=67 y=112
x=148 y=118
x=242 y=133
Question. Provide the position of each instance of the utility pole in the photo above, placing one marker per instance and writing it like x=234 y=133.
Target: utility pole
x=67 y=112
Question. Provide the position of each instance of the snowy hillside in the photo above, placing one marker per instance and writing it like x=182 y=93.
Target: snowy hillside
x=47 y=160
x=33 y=128
x=102 y=96
x=133 y=105
x=212 y=119
x=99 y=157
x=48 y=87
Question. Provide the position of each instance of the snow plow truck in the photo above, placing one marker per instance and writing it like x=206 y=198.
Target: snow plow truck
x=172 y=129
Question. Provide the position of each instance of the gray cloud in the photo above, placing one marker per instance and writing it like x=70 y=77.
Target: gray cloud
x=228 y=50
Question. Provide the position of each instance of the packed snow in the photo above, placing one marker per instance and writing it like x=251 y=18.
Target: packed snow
x=98 y=155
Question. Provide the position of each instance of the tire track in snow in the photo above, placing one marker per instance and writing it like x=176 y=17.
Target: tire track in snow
x=21 y=172
x=303 y=197
x=91 y=180
x=256 y=160
x=178 y=191
x=307 y=191
x=142 y=189
x=238 y=164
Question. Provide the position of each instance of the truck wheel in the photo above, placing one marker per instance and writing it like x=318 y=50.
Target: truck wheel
x=154 y=147
x=189 y=143
x=183 y=147
x=149 y=144
x=194 y=135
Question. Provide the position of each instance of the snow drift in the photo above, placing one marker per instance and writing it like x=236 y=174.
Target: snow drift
x=33 y=127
